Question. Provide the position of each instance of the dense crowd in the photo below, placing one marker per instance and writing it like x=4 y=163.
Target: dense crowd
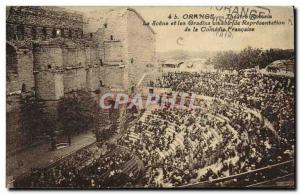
x=216 y=141
x=272 y=95
x=223 y=137
x=87 y=168
x=241 y=122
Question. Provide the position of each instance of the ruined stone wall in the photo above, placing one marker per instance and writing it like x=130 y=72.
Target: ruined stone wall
x=88 y=56
x=141 y=47
x=50 y=85
x=115 y=27
x=128 y=43
x=74 y=56
x=52 y=55
x=114 y=37
x=23 y=73
x=47 y=57
x=48 y=64
x=93 y=62
x=92 y=79
x=22 y=78
x=74 y=80
x=14 y=135
x=113 y=51
x=74 y=74
x=94 y=55
x=26 y=19
x=34 y=23
x=114 y=77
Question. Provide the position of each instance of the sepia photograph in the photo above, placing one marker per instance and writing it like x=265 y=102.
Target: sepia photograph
x=150 y=97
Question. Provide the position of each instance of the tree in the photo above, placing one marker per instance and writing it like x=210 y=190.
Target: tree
x=36 y=121
x=249 y=58
x=77 y=112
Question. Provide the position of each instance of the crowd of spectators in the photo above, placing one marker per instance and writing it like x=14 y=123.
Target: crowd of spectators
x=241 y=123
x=221 y=137
x=272 y=95
x=87 y=168
x=222 y=140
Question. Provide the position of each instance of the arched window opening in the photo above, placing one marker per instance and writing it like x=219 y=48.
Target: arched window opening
x=11 y=59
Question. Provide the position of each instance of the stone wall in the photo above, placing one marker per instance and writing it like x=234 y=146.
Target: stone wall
x=22 y=21
x=113 y=51
x=48 y=64
x=75 y=64
x=115 y=26
x=141 y=47
x=92 y=79
x=113 y=38
x=74 y=80
x=23 y=73
x=54 y=57
x=114 y=77
x=50 y=85
x=47 y=57
x=14 y=135
x=50 y=56
x=127 y=43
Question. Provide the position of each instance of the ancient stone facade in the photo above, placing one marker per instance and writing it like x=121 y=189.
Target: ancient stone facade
x=40 y=42
x=50 y=53
x=129 y=48
x=57 y=56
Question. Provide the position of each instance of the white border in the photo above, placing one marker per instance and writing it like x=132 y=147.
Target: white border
x=3 y=4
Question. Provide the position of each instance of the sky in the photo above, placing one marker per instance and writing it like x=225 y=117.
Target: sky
x=175 y=38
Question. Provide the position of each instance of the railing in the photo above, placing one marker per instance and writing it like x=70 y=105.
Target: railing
x=238 y=180
x=282 y=179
